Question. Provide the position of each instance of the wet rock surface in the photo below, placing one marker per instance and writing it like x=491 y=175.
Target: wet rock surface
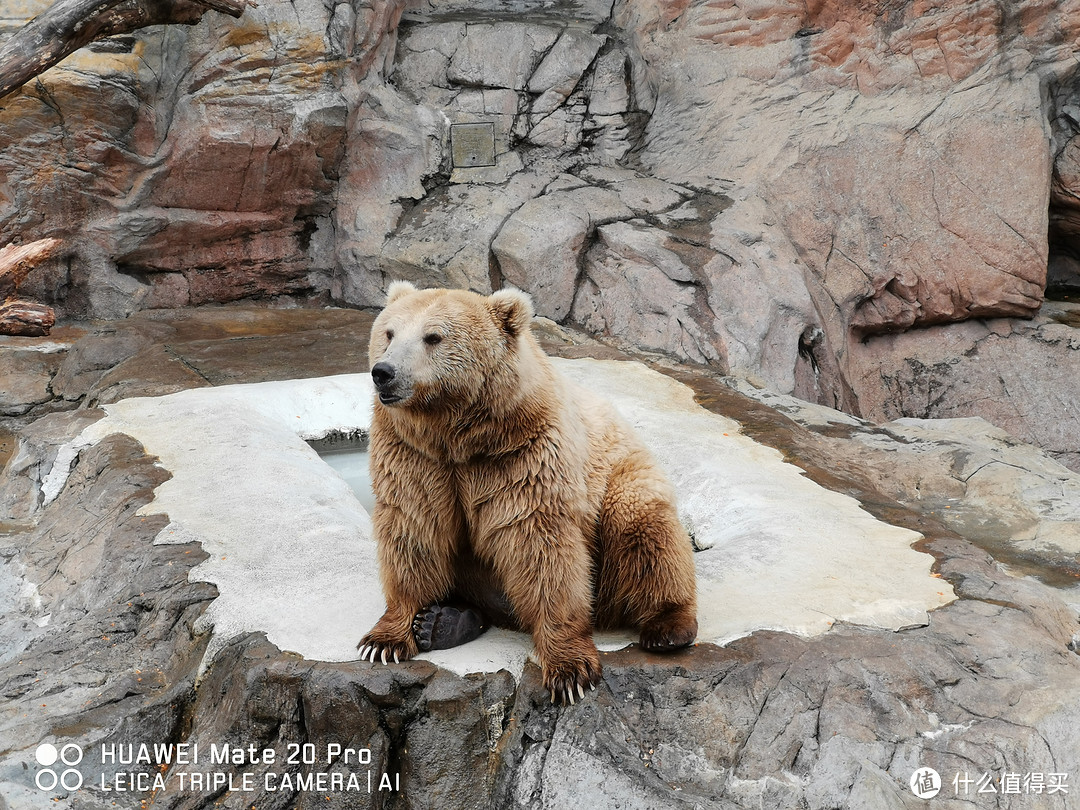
x=104 y=641
x=157 y=352
x=107 y=648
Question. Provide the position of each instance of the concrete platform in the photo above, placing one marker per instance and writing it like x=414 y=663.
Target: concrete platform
x=292 y=555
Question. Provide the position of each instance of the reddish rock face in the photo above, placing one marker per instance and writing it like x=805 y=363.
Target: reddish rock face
x=903 y=145
x=200 y=167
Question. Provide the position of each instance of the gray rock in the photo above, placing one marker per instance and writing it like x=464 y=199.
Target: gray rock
x=757 y=293
x=610 y=139
x=1034 y=501
x=625 y=292
x=637 y=242
x=1015 y=374
x=539 y=248
x=610 y=94
x=123 y=603
x=500 y=54
x=28 y=379
x=648 y=195
x=694 y=281
x=563 y=66
x=423 y=55
x=35 y=453
x=88 y=360
x=584 y=13
x=561 y=128
x=445 y=241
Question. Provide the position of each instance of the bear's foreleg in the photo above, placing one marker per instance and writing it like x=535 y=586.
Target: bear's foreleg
x=646 y=578
x=416 y=569
x=544 y=566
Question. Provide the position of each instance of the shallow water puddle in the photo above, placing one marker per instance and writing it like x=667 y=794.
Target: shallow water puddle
x=348 y=455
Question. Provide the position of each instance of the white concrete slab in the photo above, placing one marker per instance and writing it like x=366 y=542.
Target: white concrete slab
x=291 y=550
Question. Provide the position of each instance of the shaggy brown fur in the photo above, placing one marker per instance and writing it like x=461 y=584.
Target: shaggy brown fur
x=501 y=483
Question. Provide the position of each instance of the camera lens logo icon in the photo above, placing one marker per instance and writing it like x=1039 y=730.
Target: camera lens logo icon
x=47 y=755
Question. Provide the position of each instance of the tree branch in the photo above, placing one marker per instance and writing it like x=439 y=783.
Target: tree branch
x=16 y=262
x=68 y=25
x=19 y=316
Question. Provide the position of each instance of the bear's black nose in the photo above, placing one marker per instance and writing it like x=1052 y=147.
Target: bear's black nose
x=382 y=374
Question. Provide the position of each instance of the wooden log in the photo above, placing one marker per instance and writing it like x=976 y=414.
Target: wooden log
x=68 y=25
x=25 y=318
x=16 y=261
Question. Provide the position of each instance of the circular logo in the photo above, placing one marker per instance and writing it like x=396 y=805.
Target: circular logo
x=925 y=783
x=47 y=779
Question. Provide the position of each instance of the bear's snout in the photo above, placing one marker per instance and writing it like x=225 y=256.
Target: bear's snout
x=385 y=378
x=383 y=374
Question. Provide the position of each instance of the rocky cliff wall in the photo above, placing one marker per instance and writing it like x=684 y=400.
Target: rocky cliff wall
x=773 y=188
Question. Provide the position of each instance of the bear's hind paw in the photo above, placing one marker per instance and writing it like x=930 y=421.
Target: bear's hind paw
x=440 y=627
x=670 y=631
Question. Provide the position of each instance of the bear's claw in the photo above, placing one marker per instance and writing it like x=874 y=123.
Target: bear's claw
x=568 y=686
x=375 y=652
x=670 y=631
x=440 y=627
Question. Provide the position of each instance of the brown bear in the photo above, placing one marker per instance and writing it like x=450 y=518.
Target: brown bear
x=501 y=485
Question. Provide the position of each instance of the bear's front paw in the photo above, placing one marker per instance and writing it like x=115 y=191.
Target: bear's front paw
x=566 y=679
x=377 y=648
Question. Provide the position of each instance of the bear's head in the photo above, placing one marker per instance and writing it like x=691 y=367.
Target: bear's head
x=439 y=348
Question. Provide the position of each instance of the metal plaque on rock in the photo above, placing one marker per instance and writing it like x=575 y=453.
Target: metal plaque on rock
x=472 y=145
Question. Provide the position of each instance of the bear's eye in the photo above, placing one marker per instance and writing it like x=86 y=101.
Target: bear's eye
x=389 y=335
x=432 y=339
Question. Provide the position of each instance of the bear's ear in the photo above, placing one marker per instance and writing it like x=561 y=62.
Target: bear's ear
x=513 y=310
x=398 y=289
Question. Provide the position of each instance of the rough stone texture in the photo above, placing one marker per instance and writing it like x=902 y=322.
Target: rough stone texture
x=104 y=590
x=33 y=455
x=1008 y=497
x=772 y=720
x=162 y=351
x=1024 y=377
x=27 y=376
x=522 y=48
x=184 y=184
x=444 y=241
x=869 y=135
x=901 y=148
x=539 y=248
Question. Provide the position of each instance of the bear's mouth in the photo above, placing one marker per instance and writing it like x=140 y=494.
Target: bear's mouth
x=386 y=398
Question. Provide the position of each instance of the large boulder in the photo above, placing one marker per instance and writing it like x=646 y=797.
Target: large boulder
x=1023 y=377
x=905 y=153
x=194 y=165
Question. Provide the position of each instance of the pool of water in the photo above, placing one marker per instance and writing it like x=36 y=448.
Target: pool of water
x=348 y=454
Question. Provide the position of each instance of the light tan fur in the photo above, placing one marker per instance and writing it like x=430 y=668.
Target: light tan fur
x=497 y=479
